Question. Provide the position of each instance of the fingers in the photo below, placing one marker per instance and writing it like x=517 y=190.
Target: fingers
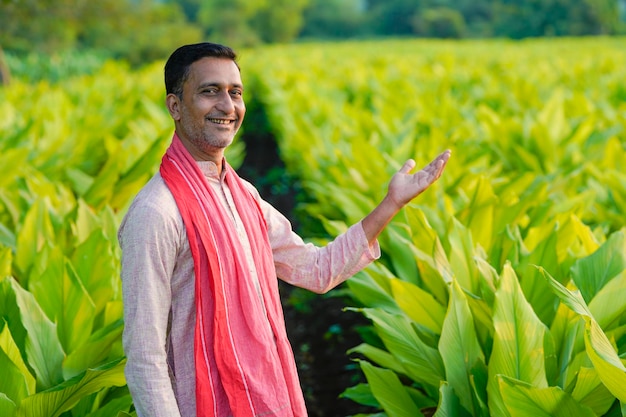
x=443 y=156
x=441 y=161
x=434 y=168
x=407 y=167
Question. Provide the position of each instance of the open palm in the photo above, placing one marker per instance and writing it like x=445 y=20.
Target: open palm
x=405 y=186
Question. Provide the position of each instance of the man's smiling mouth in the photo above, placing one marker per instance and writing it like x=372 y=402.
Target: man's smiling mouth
x=220 y=121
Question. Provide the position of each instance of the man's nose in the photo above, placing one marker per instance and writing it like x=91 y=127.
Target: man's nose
x=225 y=102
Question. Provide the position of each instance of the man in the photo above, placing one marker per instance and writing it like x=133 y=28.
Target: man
x=204 y=331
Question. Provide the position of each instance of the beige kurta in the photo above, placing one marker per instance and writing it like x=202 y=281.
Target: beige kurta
x=158 y=288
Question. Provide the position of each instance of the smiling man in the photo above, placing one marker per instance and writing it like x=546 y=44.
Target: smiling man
x=204 y=330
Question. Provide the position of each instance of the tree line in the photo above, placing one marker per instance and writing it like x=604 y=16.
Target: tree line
x=144 y=30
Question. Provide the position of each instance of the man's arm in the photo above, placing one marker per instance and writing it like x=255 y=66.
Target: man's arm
x=403 y=188
x=147 y=263
x=320 y=269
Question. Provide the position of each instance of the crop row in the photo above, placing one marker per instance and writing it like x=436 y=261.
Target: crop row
x=500 y=290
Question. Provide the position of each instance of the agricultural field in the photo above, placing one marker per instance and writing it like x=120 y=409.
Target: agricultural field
x=500 y=292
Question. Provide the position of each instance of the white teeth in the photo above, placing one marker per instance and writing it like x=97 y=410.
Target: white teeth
x=220 y=121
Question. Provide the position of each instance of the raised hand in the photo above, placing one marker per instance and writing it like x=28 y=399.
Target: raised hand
x=405 y=186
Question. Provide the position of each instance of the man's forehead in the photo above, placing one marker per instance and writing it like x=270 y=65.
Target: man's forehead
x=214 y=71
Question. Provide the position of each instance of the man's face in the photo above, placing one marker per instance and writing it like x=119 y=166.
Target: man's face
x=212 y=107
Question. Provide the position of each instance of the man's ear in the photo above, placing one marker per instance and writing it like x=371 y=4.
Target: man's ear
x=172 y=101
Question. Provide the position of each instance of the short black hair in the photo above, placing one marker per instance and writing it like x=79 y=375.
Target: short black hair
x=177 y=65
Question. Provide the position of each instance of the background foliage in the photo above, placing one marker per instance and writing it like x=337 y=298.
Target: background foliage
x=144 y=30
x=469 y=306
x=526 y=223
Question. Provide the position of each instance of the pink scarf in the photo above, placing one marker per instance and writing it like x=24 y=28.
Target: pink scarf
x=252 y=355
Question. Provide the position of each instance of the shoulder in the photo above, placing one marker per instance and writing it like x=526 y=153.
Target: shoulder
x=153 y=208
x=252 y=189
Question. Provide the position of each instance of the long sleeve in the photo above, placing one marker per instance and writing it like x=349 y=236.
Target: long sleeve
x=147 y=238
x=318 y=269
x=158 y=288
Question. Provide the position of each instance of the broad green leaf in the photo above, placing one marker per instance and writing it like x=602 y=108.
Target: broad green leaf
x=389 y=392
x=15 y=211
x=419 y=305
x=608 y=306
x=552 y=118
x=113 y=407
x=584 y=234
x=462 y=257
x=516 y=197
x=488 y=280
x=371 y=287
x=7 y=407
x=522 y=400
x=550 y=358
x=574 y=241
x=56 y=400
x=59 y=199
x=42 y=348
x=86 y=222
x=434 y=269
x=122 y=197
x=483 y=314
x=589 y=391
x=536 y=291
x=593 y=272
x=605 y=360
x=333 y=227
x=380 y=357
x=479 y=380
x=12 y=163
x=61 y=294
x=94 y=351
x=424 y=401
x=459 y=348
x=422 y=362
x=79 y=180
x=518 y=343
x=12 y=383
x=102 y=187
x=361 y=394
x=480 y=213
x=137 y=175
x=424 y=236
x=571 y=299
x=14 y=356
x=611 y=370
x=36 y=230
x=507 y=246
x=109 y=223
x=402 y=260
x=94 y=262
x=528 y=159
x=567 y=331
x=482 y=307
x=6 y=259
x=113 y=311
x=618 y=335
x=583 y=131
x=449 y=404
x=7 y=240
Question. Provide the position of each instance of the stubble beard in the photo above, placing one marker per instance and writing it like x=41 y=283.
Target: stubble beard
x=205 y=140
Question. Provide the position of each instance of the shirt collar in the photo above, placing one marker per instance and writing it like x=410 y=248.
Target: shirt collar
x=209 y=169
